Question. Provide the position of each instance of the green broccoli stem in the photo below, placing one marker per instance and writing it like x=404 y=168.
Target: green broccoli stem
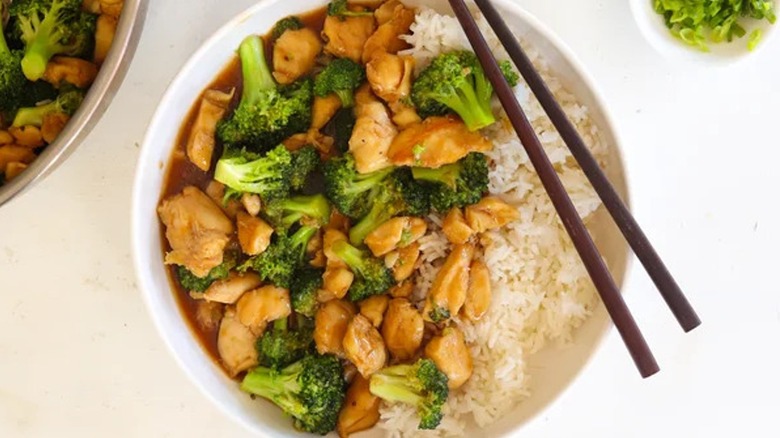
x=352 y=256
x=447 y=174
x=367 y=181
x=378 y=215
x=4 y=49
x=40 y=50
x=347 y=98
x=33 y=116
x=394 y=389
x=315 y=207
x=277 y=386
x=280 y=325
x=256 y=74
x=300 y=240
x=475 y=112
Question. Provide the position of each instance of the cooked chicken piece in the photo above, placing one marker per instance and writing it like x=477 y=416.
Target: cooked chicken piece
x=386 y=38
x=449 y=288
x=403 y=329
x=479 y=293
x=14 y=154
x=402 y=290
x=52 y=125
x=360 y=410
x=254 y=234
x=6 y=138
x=384 y=13
x=208 y=314
x=395 y=233
x=346 y=36
x=92 y=6
x=451 y=356
x=201 y=141
x=13 y=169
x=338 y=221
x=404 y=115
x=236 y=344
x=403 y=261
x=364 y=346
x=323 y=109
x=373 y=308
x=455 y=227
x=252 y=203
x=390 y=76
x=330 y=237
x=435 y=142
x=373 y=132
x=295 y=53
x=216 y=191
x=258 y=307
x=312 y=137
x=229 y=290
x=196 y=229
x=104 y=37
x=336 y=281
x=490 y=213
x=112 y=8
x=28 y=136
x=74 y=71
x=330 y=325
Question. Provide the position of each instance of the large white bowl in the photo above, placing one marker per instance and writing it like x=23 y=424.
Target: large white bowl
x=552 y=369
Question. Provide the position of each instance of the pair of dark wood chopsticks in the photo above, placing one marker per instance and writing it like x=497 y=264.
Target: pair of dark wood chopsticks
x=597 y=269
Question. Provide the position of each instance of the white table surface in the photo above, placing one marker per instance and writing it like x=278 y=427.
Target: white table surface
x=79 y=355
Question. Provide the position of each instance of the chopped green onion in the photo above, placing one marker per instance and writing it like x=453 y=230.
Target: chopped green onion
x=699 y=22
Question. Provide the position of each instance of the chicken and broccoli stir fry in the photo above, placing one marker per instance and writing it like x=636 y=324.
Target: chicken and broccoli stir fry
x=50 y=53
x=303 y=194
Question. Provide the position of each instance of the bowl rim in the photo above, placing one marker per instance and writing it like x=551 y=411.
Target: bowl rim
x=148 y=288
x=108 y=82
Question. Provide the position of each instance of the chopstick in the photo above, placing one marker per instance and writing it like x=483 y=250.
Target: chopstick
x=594 y=264
x=655 y=267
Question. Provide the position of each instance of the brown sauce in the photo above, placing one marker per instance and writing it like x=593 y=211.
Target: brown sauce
x=181 y=173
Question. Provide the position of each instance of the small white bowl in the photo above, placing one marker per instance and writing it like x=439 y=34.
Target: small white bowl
x=553 y=369
x=652 y=26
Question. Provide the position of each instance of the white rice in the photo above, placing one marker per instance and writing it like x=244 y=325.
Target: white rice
x=541 y=291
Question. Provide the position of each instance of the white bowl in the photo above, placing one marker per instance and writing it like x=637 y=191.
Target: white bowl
x=553 y=369
x=652 y=26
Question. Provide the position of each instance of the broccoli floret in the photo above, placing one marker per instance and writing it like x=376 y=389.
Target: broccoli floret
x=247 y=172
x=283 y=257
x=12 y=80
x=311 y=391
x=304 y=161
x=455 y=185
x=455 y=81
x=192 y=282
x=398 y=194
x=372 y=277
x=280 y=346
x=342 y=76
x=421 y=385
x=303 y=290
x=287 y=23
x=439 y=314
x=338 y=8
x=349 y=191
x=509 y=73
x=284 y=213
x=52 y=27
x=67 y=103
x=266 y=114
